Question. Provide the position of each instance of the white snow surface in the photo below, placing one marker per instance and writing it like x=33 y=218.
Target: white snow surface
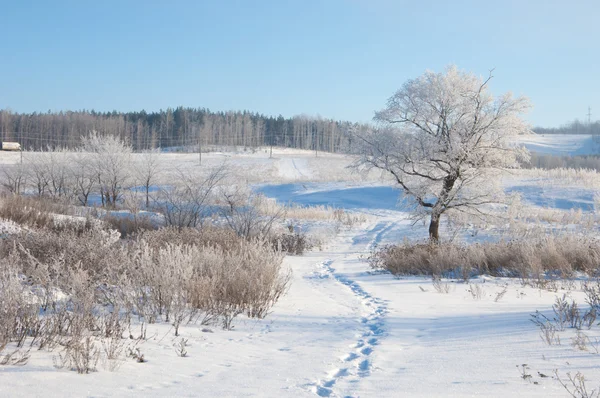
x=344 y=330
x=561 y=144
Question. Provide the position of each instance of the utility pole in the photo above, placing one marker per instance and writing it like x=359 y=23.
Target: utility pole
x=589 y=115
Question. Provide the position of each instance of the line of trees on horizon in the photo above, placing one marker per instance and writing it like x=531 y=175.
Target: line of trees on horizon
x=186 y=128
x=177 y=127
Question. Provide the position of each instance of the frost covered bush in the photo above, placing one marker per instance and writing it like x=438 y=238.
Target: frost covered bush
x=17 y=315
x=168 y=275
x=95 y=250
x=534 y=258
x=180 y=282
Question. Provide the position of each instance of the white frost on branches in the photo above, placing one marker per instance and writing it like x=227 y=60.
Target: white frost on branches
x=446 y=140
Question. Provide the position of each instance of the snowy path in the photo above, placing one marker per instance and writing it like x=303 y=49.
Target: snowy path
x=293 y=168
x=356 y=364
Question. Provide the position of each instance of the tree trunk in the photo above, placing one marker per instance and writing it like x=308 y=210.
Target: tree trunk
x=434 y=226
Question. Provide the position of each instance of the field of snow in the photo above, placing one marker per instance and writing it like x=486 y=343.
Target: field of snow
x=561 y=144
x=344 y=330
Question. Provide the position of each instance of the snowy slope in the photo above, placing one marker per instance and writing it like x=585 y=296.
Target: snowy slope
x=561 y=144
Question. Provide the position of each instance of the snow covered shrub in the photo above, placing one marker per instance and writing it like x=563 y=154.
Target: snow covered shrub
x=247 y=279
x=157 y=278
x=216 y=276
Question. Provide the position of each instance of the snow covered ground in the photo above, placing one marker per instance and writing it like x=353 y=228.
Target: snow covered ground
x=343 y=329
x=561 y=144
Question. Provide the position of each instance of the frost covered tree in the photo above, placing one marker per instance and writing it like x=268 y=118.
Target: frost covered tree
x=110 y=159
x=445 y=139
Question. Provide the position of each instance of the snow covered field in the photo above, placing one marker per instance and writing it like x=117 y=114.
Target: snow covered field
x=343 y=329
x=562 y=144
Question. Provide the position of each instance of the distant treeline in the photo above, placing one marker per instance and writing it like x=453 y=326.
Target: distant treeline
x=544 y=161
x=575 y=127
x=179 y=127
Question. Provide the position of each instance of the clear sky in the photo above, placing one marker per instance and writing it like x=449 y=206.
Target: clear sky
x=339 y=59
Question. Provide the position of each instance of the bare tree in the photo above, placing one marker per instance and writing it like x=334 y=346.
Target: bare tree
x=38 y=173
x=147 y=171
x=57 y=162
x=84 y=175
x=15 y=178
x=445 y=140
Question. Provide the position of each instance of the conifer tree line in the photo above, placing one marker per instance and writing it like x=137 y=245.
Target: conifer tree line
x=181 y=128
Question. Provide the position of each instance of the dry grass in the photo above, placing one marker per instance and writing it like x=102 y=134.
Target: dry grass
x=29 y=211
x=269 y=207
x=533 y=258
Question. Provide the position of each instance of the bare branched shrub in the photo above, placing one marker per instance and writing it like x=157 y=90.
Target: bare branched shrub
x=548 y=331
x=501 y=294
x=80 y=354
x=187 y=202
x=112 y=349
x=592 y=293
x=291 y=243
x=129 y=224
x=477 y=291
x=136 y=354
x=576 y=386
x=18 y=357
x=563 y=311
x=580 y=341
x=440 y=286
x=241 y=211
x=181 y=347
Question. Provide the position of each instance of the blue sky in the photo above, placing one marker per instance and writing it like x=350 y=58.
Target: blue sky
x=339 y=59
